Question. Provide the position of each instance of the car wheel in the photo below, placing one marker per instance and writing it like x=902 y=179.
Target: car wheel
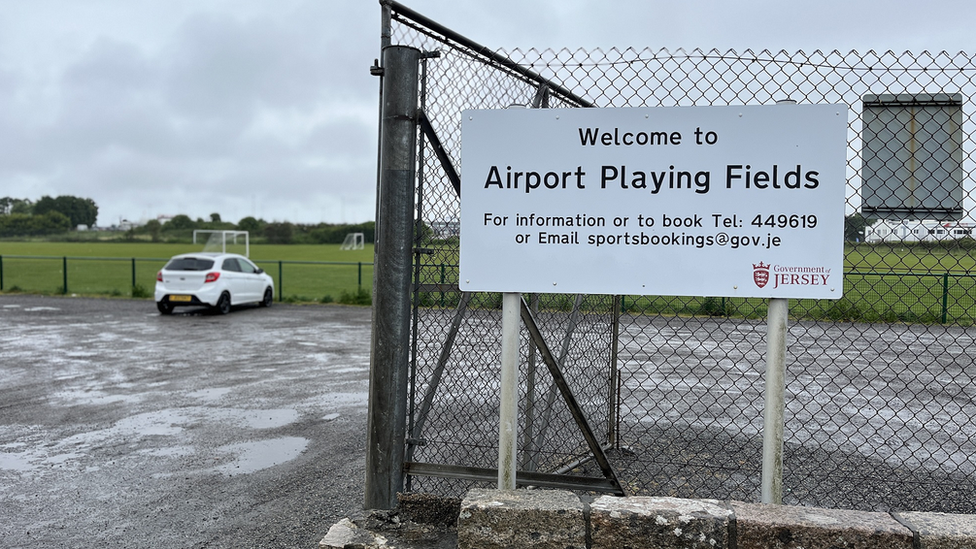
x=223 y=304
x=165 y=307
x=268 y=298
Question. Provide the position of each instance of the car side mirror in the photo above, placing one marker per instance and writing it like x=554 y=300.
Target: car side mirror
x=259 y=271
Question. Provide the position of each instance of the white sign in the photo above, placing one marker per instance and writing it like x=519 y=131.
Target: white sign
x=689 y=201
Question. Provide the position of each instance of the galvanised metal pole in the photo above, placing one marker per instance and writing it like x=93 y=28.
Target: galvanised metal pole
x=774 y=409
x=508 y=398
x=393 y=249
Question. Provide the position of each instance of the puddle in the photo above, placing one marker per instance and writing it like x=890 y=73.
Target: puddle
x=331 y=417
x=16 y=462
x=255 y=456
x=160 y=423
x=60 y=459
x=210 y=395
x=348 y=370
x=170 y=451
x=267 y=419
x=97 y=398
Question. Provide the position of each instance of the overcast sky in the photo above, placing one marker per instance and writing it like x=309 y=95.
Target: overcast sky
x=267 y=108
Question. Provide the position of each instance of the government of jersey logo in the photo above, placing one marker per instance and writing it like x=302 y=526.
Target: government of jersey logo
x=760 y=274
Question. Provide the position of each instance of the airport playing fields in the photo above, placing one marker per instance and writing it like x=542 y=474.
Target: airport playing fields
x=303 y=272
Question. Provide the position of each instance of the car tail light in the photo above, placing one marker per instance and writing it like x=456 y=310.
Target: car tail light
x=159 y=276
x=211 y=277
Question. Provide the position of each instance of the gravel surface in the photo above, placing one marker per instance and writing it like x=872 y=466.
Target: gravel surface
x=125 y=428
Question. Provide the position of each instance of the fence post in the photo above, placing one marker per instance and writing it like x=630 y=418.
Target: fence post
x=945 y=297
x=613 y=417
x=281 y=284
x=443 y=279
x=1 y=273
x=64 y=271
x=133 y=272
x=393 y=247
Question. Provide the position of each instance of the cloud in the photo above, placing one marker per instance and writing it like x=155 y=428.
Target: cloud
x=246 y=107
x=217 y=109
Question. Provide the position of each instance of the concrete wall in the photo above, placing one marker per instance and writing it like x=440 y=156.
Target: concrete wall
x=544 y=519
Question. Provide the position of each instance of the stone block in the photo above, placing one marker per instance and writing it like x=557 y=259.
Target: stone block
x=760 y=526
x=526 y=519
x=659 y=523
x=940 y=530
x=346 y=535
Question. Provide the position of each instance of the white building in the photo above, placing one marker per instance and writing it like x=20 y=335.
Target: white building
x=916 y=231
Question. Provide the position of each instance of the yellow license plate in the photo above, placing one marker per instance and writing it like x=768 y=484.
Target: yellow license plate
x=180 y=298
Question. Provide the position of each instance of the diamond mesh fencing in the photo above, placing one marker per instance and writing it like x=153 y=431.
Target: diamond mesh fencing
x=879 y=386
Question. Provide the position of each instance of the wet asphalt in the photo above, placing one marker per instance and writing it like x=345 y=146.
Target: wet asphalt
x=120 y=427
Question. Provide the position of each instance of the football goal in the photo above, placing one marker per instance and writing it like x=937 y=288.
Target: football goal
x=353 y=241
x=217 y=241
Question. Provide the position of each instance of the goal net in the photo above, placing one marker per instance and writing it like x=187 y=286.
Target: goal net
x=353 y=241
x=219 y=241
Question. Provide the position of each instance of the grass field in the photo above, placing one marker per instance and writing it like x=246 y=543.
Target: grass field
x=882 y=283
x=314 y=272
x=887 y=258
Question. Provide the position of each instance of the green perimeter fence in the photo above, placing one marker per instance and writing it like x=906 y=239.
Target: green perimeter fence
x=947 y=298
x=869 y=296
x=136 y=276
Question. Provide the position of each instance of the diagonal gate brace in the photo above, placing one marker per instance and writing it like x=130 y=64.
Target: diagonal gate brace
x=609 y=484
x=574 y=408
x=435 y=143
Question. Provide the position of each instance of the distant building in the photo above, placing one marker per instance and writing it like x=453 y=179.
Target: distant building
x=916 y=231
x=445 y=229
x=126 y=225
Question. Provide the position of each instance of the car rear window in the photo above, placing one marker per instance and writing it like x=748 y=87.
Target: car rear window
x=189 y=264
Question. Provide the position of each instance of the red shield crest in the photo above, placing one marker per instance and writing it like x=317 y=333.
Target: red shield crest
x=760 y=274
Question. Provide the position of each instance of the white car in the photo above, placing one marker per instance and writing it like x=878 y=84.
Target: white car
x=217 y=280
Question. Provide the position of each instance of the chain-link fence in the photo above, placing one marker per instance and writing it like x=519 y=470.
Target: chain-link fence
x=880 y=392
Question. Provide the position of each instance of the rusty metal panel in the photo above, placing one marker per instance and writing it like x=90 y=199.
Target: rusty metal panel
x=912 y=151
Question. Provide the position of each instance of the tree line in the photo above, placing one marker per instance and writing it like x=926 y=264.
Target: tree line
x=61 y=214
x=274 y=232
x=49 y=215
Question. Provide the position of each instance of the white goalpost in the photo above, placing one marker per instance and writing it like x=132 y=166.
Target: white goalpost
x=353 y=241
x=218 y=240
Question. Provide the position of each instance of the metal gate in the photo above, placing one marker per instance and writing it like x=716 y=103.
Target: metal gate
x=880 y=393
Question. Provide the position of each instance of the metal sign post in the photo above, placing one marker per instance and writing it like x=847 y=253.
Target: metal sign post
x=508 y=408
x=775 y=405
